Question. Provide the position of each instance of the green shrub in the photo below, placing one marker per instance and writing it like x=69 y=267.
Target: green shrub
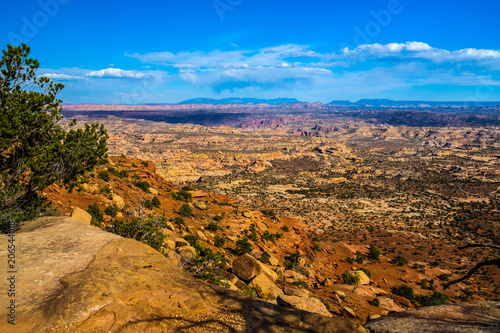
x=253 y=237
x=290 y=264
x=147 y=204
x=350 y=279
x=106 y=190
x=145 y=231
x=360 y=258
x=219 y=241
x=179 y=220
x=268 y=212
x=187 y=188
x=143 y=185
x=269 y=236
x=185 y=210
x=96 y=213
x=191 y=239
x=251 y=292
x=436 y=298
x=219 y=217
x=156 y=202
x=406 y=292
x=400 y=261
x=243 y=246
x=285 y=228
x=213 y=226
x=111 y=211
x=316 y=248
x=264 y=258
x=145 y=163
x=104 y=175
x=374 y=253
x=366 y=271
x=375 y=302
x=182 y=195
x=444 y=277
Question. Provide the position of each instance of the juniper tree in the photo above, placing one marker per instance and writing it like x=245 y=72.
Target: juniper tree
x=35 y=151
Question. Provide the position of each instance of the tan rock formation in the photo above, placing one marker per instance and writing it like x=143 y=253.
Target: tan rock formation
x=81 y=215
x=304 y=303
x=75 y=277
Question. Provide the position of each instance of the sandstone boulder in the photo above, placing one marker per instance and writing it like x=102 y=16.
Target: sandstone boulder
x=350 y=312
x=187 y=253
x=81 y=215
x=200 y=205
x=153 y=191
x=474 y=317
x=308 y=304
x=118 y=202
x=265 y=288
x=363 y=278
x=297 y=292
x=180 y=242
x=247 y=267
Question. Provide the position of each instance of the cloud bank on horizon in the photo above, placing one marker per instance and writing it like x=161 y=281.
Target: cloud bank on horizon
x=301 y=72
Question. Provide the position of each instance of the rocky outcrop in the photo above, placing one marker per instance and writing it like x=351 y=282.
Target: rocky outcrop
x=363 y=278
x=81 y=215
x=75 y=277
x=304 y=303
x=476 y=317
x=265 y=287
x=247 y=267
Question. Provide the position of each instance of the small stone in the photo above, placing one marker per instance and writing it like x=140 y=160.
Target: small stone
x=349 y=311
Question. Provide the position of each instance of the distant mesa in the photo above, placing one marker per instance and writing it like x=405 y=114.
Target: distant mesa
x=391 y=103
x=236 y=100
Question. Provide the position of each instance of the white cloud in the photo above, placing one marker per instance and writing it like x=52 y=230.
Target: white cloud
x=420 y=50
x=117 y=73
x=61 y=77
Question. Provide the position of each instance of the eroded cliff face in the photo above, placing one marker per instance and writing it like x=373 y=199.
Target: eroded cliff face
x=75 y=277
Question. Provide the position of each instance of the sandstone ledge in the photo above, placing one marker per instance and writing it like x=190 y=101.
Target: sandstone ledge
x=75 y=277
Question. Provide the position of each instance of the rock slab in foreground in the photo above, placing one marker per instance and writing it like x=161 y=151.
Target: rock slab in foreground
x=475 y=317
x=77 y=278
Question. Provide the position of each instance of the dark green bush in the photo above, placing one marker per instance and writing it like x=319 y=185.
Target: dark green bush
x=191 y=239
x=156 y=202
x=350 y=279
x=185 y=210
x=147 y=204
x=104 y=175
x=182 y=195
x=374 y=253
x=375 y=302
x=366 y=271
x=285 y=228
x=219 y=241
x=179 y=220
x=264 y=258
x=268 y=212
x=400 y=261
x=406 y=292
x=143 y=185
x=213 y=226
x=96 y=213
x=243 y=246
x=111 y=211
x=146 y=231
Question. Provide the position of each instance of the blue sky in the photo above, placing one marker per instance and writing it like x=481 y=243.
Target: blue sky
x=149 y=51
